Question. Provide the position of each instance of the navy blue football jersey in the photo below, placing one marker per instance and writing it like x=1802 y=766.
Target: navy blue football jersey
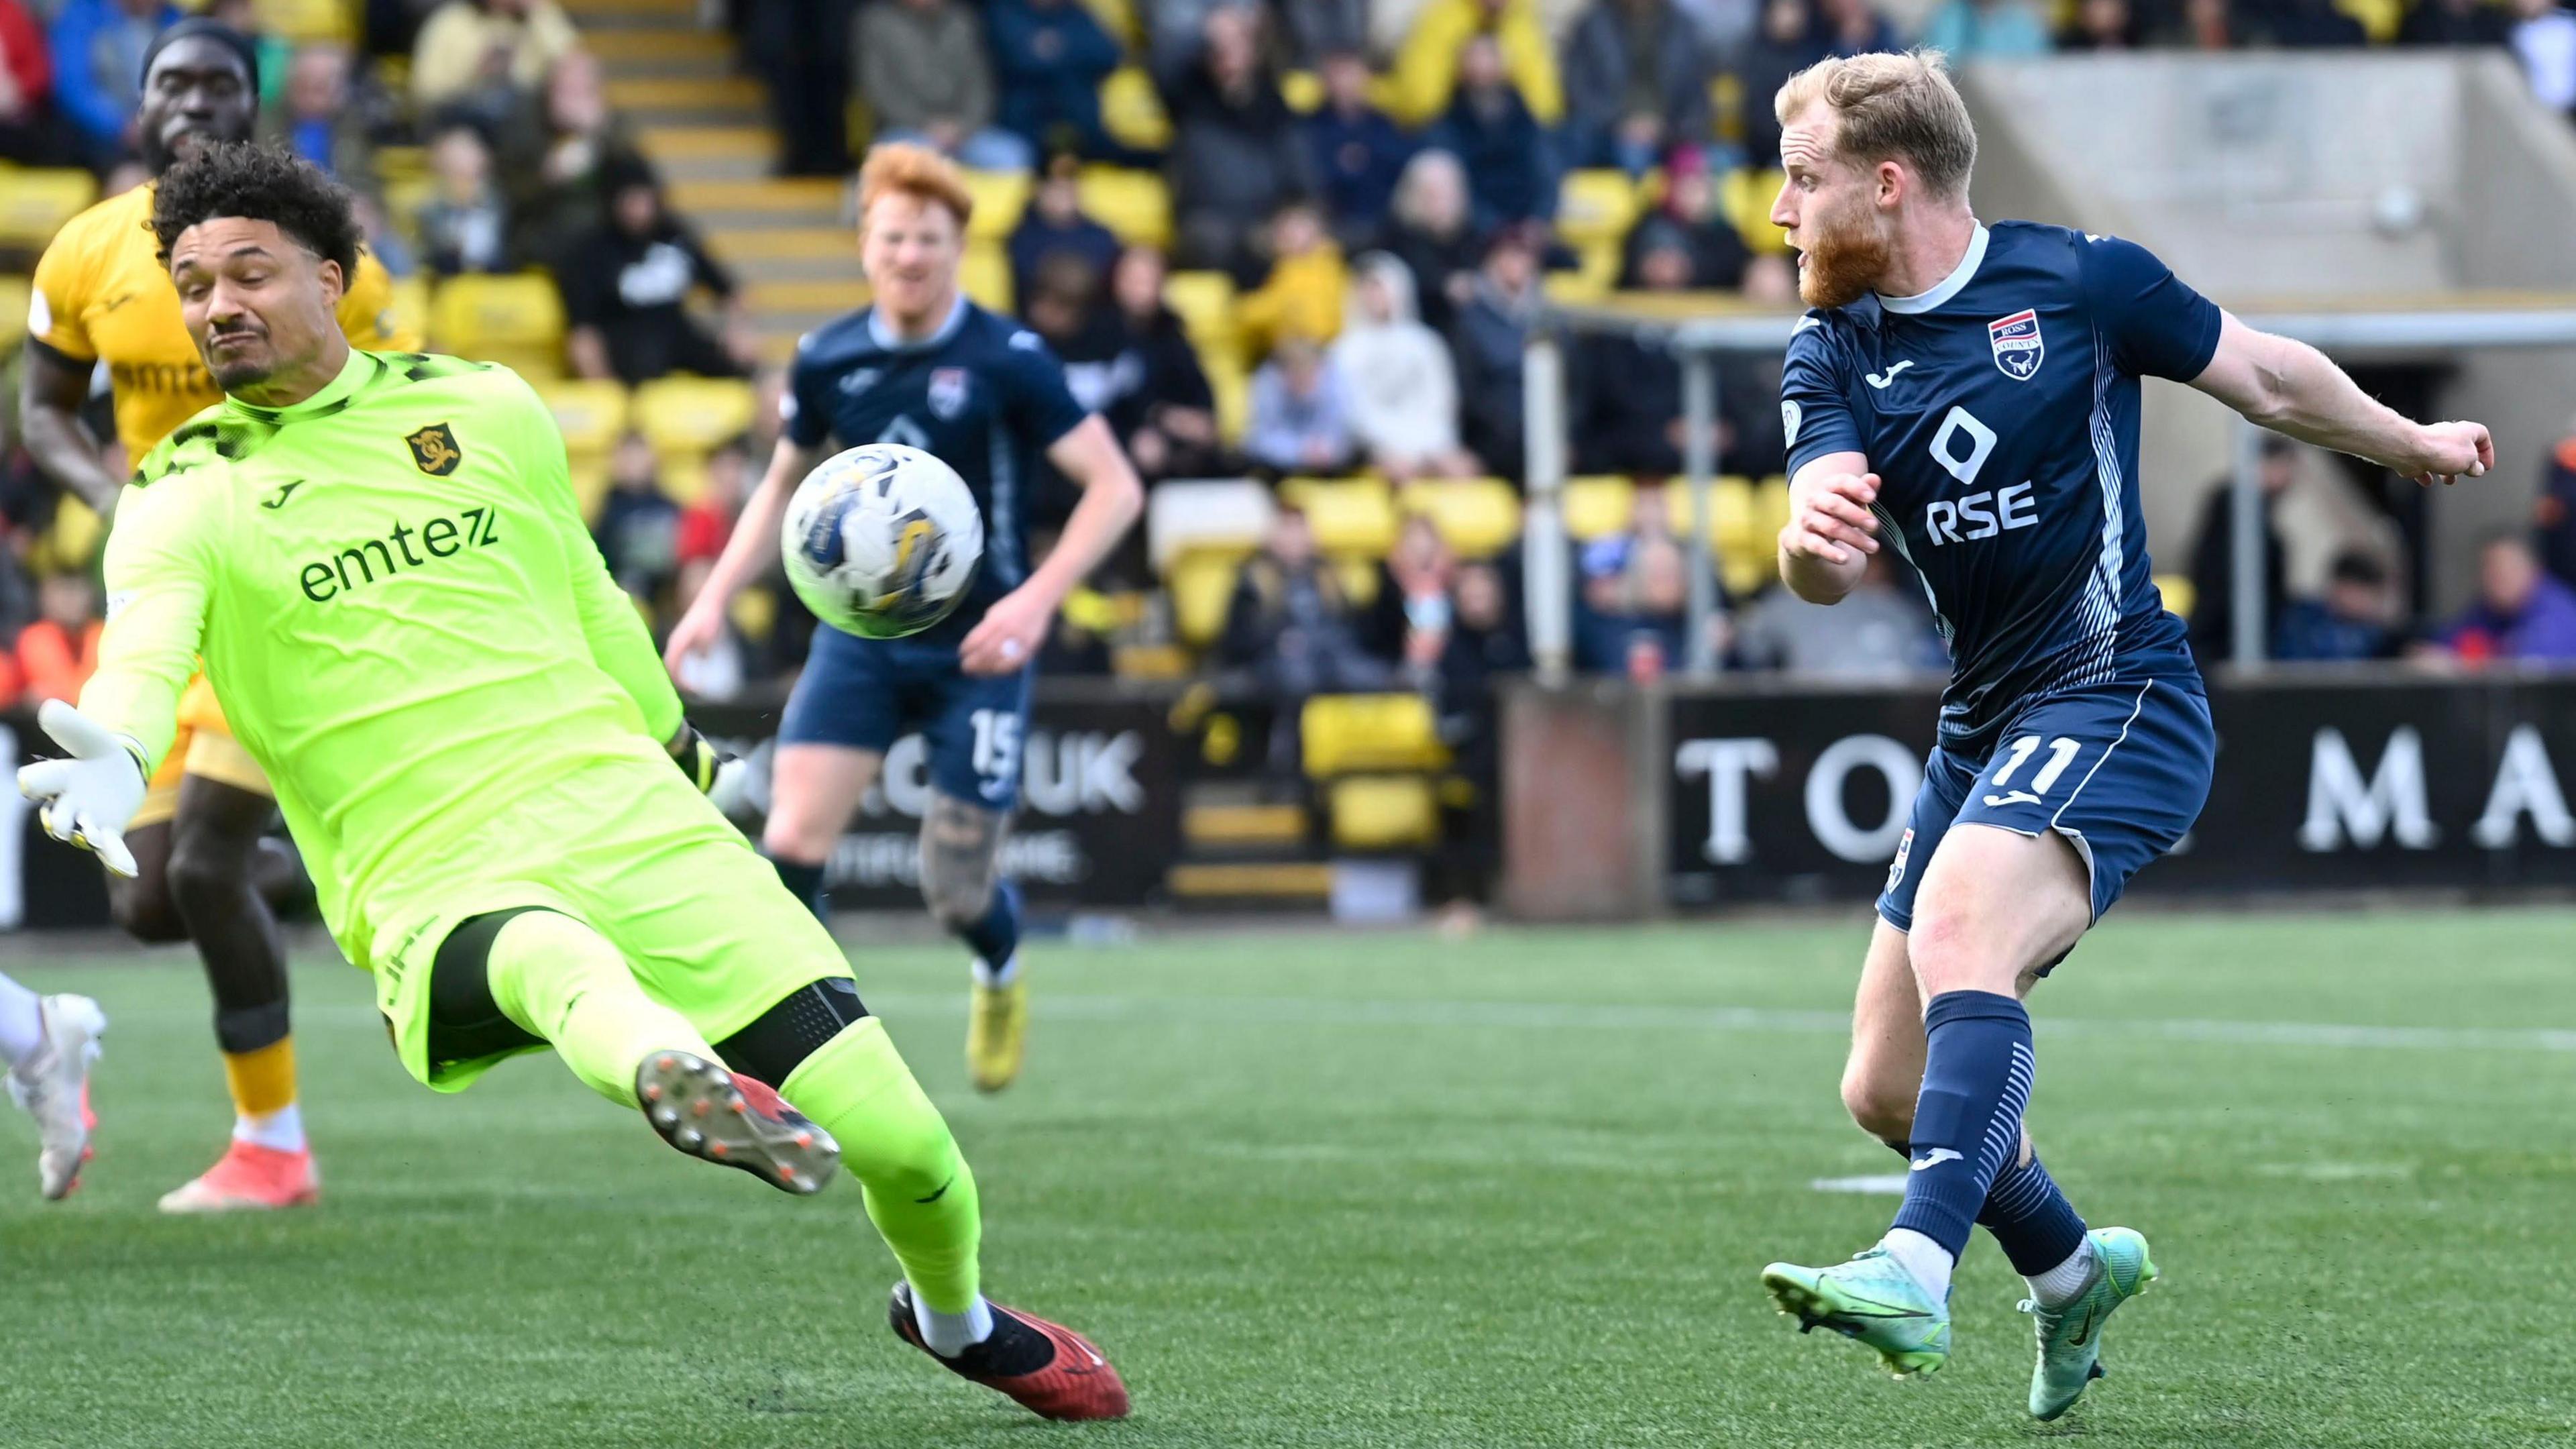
x=2000 y=411
x=983 y=394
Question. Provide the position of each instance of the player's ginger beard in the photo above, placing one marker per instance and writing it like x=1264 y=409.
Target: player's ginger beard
x=1843 y=259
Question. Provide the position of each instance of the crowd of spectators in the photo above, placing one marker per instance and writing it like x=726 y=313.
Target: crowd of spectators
x=1385 y=204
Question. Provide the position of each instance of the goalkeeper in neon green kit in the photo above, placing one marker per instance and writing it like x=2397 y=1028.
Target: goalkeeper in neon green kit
x=379 y=558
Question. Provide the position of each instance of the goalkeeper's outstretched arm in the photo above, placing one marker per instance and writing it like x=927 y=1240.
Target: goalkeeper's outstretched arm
x=160 y=572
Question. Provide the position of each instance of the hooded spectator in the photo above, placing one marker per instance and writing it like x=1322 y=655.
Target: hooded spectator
x=1403 y=387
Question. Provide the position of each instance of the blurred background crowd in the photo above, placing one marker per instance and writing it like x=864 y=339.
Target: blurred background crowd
x=1297 y=246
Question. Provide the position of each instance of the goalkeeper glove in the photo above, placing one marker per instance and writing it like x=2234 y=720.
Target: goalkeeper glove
x=718 y=775
x=87 y=799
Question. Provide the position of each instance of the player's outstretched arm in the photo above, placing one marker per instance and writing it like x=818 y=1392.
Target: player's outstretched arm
x=1112 y=496
x=752 y=548
x=1831 y=532
x=2292 y=388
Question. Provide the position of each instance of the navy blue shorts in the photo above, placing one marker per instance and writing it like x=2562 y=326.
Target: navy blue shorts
x=867 y=693
x=2120 y=770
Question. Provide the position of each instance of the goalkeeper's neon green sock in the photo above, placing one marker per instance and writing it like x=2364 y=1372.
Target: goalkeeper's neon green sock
x=563 y=981
x=919 y=1191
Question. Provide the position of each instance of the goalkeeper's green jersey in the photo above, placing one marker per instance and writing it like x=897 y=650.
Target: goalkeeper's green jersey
x=397 y=603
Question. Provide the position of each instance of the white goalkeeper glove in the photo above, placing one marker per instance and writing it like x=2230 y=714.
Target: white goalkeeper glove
x=719 y=775
x=87 y=799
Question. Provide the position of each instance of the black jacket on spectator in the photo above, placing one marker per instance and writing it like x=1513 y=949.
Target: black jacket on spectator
x=2455 y=22
x=634 y=290
x=1511 y=172
x=1434 y=261
x=1718 y=253
x=1048 y=62
x=2213 y=576
x=1234 y=160
x=1158 y=369
x=1488 y=338
x=1356 y=161
x=1600 y=78
x=1765 y=65
x=1035 y=239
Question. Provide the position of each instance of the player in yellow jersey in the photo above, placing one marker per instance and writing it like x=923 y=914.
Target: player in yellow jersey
x=206 y=870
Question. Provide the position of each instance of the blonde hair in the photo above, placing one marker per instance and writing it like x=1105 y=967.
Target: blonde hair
x=915 y=171
x=1892 y=108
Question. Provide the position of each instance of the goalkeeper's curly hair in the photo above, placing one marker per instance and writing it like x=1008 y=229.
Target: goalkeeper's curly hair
x=261 y=183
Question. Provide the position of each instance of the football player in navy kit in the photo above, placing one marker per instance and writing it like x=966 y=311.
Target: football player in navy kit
x=1967 y=395
x=926 y=367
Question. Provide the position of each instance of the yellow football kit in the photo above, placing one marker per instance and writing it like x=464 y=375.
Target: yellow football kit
x=102 y=293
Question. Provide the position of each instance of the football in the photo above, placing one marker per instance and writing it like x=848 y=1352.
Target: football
x=882 y=541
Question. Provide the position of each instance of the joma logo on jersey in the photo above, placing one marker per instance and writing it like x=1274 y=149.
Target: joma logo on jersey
x=2019 y=349
x=363 y=563
x=434 y=449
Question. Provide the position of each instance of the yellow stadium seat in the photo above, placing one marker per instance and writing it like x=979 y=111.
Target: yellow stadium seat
x=1202 y=585
x=306 y=20
x=985 y=275
x=405 y=198
x=1572 y=289
x=589 y=483
x=1480 y=517
x=1732 y=510
x=683 y=477
x=1771 y=507
x=1303 y=90
x=1352 y=518
x=515 y=320
x=1746 y=197
x=754 y=612
x=1359 y=580
x=1232 y=388
x=15 y=294
x=34 y=204
x=1383 y=812
x=411 y=304
x=1000 y=197
x=1134 y=204
x=1204 y=301
x=1596 y=206
x=400 y=163
x=1119 y=18
x=1597 y=507
x=1131 y=111
x=2179 y=593
x=590 y=413
x=689 y=417
x=1349 y=734
x=2379 y=18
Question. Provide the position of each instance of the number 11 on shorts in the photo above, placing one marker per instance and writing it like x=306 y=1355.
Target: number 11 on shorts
x=2061 y=753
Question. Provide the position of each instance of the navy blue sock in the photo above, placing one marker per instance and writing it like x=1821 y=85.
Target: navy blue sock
x=1977 y=1072
x=2032 y=1221
x=997 y=936
x=805 y=883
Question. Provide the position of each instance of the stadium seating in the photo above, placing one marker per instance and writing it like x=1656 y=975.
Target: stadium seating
x=1480 y=517
x=1597 y=507
x=15 y=293
x=1352 y=518
x=1746 y=197
x=1355 y=734
x=1596 y=207
x=1383 y=813
x=1134 y=204
x=690 y=417
x=1132 y=112
x=411 y=304
x=517 y=320
x=984 y=273
x=34 y=204
x=303 y=21
x=1223 y=516
x=1204 y=301
x=1202 y=585
x=591 y=413
x=2179 y=593
x=1000 y=197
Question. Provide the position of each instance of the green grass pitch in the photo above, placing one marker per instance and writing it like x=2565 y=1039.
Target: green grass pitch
x=1363 y=1189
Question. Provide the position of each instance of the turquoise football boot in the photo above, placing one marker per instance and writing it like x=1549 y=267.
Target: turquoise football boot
x=2070 y=1336
x=1873 y=1299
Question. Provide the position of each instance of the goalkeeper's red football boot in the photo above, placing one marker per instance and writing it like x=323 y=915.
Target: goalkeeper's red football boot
x=1045 y=1368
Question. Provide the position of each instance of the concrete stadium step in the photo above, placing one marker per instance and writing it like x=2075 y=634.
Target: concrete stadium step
x=843 y=269
x=831 y=297
x=586 y=13
x=786 y=243
x=711 y=96
x=1208 y=883
x=740 y=166
x=642 y=50
x=801 y=196
x=1230 y=826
